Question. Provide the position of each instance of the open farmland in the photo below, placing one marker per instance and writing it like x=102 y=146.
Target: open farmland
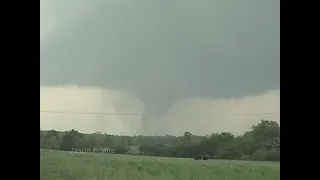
x=57 y=165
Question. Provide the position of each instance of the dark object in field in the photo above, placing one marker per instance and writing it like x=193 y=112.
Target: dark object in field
x=205 y=158
x=197 y=157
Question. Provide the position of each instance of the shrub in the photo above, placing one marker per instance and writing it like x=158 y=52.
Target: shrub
x=197 y=157
x=205 y=157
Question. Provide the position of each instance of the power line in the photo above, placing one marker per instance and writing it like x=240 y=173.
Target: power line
x=99 y=113
x=139 y=114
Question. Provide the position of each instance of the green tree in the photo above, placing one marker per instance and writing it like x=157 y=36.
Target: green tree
x=71 y=139
x=50 y=140
x=262 y=142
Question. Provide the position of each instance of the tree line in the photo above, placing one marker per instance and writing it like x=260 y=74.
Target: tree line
x=262 y=142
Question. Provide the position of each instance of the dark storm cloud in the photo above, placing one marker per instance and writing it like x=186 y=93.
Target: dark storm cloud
x=164 y=50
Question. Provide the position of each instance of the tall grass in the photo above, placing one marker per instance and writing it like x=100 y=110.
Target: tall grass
x=56 y=165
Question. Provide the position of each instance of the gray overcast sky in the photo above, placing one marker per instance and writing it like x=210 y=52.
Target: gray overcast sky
x=162 y=51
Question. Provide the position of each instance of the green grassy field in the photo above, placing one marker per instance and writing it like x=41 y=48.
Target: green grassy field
x=57 y=165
